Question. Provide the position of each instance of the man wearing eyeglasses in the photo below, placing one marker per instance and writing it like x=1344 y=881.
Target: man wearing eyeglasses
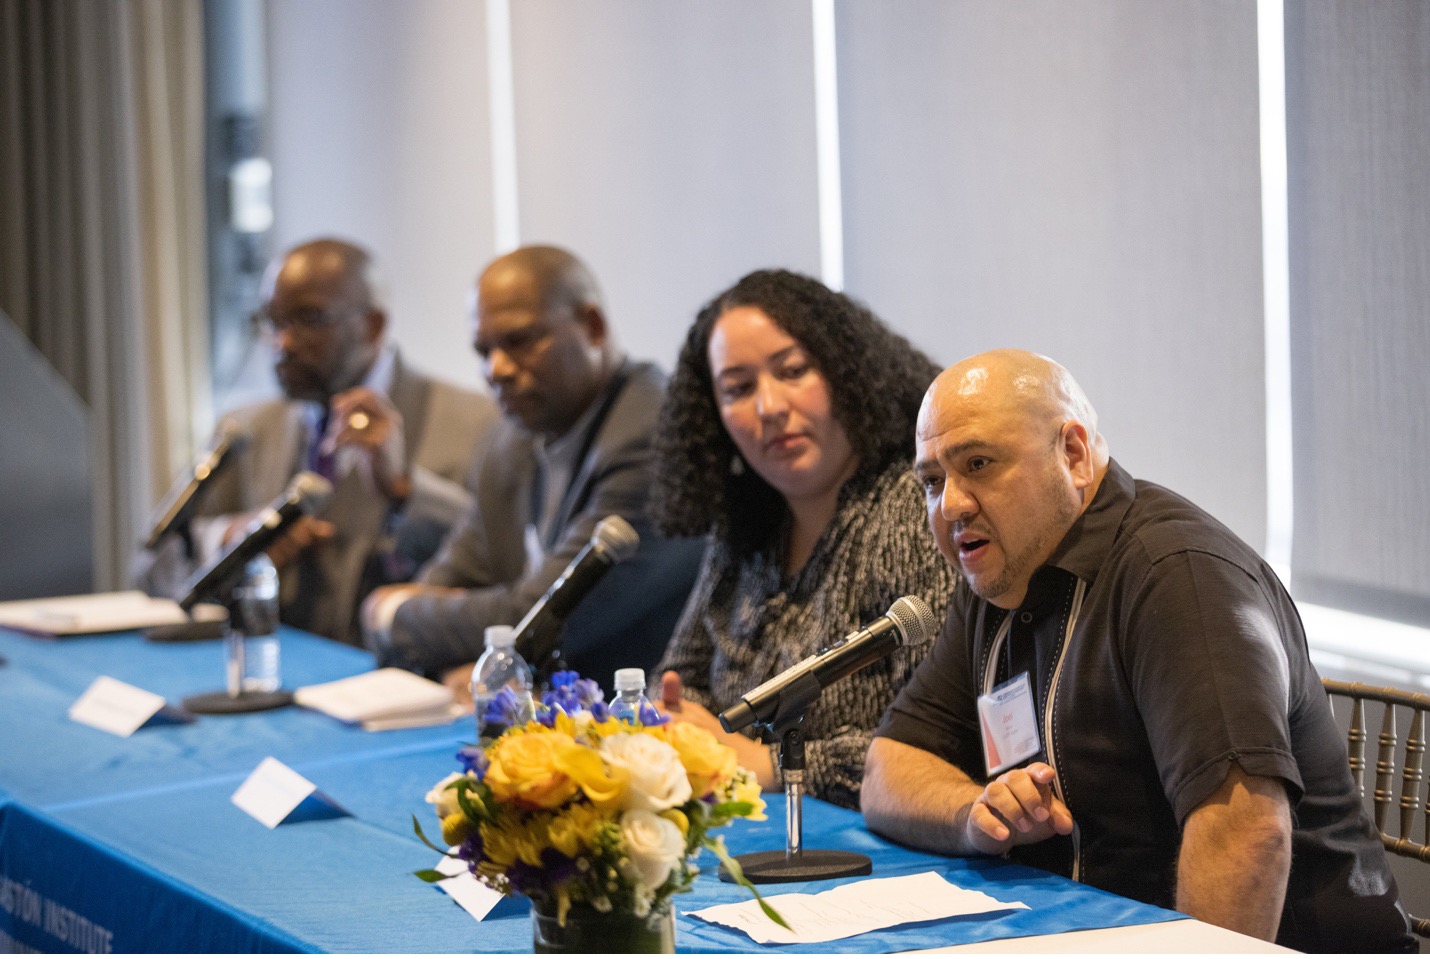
x=395 y=444
x=574 y=445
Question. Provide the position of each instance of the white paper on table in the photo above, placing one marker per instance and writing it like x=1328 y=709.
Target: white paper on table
x=117 y=707
x=90 y=613
x=462 y=886
x=272 y=791
x=854 y=908
x=383 y=694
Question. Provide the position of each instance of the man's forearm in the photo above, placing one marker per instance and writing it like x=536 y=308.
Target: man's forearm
x=1236 y=857
x=917 y=799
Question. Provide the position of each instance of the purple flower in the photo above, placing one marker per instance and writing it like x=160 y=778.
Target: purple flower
x=600 y=712
x=470 y=851
x=564 y=677
x=547 y=716
x=507 y=708
x=535 y=880
x=473 y=760
x=588 y=692
x=650 y=716
x=562 y=698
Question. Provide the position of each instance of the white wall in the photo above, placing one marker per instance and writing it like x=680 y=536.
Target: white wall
x=380 y=133
x=1076 y=179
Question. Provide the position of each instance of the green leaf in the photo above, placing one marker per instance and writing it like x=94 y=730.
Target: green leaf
x=429 y=875
x=717 y=846
x=417 y=828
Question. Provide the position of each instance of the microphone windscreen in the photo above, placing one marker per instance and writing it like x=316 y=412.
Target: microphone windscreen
x=914 y=619
x=615 y=539
x=310 y=491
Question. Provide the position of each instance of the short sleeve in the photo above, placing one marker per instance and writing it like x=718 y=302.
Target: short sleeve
x=937 y=710
x=1210 y=675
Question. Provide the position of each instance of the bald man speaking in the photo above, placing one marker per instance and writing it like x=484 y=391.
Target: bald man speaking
x=1121 y=692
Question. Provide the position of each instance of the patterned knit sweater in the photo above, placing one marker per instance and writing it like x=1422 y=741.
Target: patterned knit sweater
x=747 y=621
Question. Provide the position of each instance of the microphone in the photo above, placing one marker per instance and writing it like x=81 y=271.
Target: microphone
x=613 y=540
x=307 y=494
x=909 y=620
x=229 y=442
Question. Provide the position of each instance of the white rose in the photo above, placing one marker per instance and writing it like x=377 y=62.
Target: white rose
x=658 y=781
x=654 y=845
x=446 y=799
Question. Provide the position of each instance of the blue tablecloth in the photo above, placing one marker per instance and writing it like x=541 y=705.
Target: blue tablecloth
x=133 y=844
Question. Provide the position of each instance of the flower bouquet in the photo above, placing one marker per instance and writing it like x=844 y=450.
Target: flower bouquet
x=596 y=819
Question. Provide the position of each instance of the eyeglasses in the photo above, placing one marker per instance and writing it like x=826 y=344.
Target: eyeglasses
x=304 y=322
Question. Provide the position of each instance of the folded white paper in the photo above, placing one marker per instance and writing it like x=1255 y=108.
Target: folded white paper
x=273 y=791
x=854 y=908
x=462 y=886
x=117 y=707
x=93 y=613
x=385 y=696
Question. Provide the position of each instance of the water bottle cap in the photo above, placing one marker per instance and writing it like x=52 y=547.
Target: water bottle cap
x=500 y=636
x=630 y=679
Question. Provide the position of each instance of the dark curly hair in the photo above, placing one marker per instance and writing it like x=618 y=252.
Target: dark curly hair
x=876 y=379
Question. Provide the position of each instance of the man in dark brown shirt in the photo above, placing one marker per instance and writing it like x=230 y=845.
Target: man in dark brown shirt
x=1170 y=739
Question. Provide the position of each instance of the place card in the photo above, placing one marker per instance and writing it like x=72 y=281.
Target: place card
x=274 y=793
x=119 y=708
x=462 y=886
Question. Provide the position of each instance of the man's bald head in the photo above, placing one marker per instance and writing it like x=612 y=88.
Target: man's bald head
x=1010 y=456
x=541 y=332
x=557 y=275
x=325 y=303
x=1026 y=386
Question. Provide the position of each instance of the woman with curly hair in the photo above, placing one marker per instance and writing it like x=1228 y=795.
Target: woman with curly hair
x=787 y=437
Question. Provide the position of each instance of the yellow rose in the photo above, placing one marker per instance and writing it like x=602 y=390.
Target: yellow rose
x=603 y=784
x=709 y=764
x=524 y=770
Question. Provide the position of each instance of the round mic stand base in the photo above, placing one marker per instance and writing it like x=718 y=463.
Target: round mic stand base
x=221 y=703
x=806 y=865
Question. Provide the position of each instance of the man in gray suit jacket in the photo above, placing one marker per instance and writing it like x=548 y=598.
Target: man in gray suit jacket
x=396 y=445
x=573 y=447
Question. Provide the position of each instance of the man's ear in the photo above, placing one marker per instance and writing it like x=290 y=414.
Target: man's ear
x=593 y=321
x=1077 y=453
x=375 y=324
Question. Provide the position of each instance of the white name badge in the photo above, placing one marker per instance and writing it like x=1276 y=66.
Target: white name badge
x=273 y=792
x=120 y=708
x=1009 y=723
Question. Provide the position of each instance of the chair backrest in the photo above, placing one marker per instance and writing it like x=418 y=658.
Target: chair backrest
x=1396 y=832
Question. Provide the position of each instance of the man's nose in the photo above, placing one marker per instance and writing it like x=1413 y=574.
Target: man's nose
x=956 y=502
x=500 y=367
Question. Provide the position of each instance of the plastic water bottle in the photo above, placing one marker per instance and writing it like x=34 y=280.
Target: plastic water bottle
x=500 y=667
x=630 y=695
x=253 y=661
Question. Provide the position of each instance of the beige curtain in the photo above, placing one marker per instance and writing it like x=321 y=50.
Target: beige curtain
x=102 y=237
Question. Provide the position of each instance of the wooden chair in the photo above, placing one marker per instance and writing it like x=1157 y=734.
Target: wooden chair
x=1411 y=800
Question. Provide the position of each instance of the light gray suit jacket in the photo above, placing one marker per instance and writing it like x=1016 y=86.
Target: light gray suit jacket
x=626 y=620
x=322 y=591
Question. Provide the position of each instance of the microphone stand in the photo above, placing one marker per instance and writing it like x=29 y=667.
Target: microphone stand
x=794 y=863
x=233 y=698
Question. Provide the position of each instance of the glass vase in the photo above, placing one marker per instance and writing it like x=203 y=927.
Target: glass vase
x=587 y=930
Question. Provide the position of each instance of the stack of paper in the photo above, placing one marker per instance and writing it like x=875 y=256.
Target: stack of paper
x=383 y=699
x=94 y=613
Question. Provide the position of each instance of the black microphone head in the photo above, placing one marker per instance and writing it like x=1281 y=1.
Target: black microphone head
x=615 y=539
x=914 y=619
x=310 y=492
